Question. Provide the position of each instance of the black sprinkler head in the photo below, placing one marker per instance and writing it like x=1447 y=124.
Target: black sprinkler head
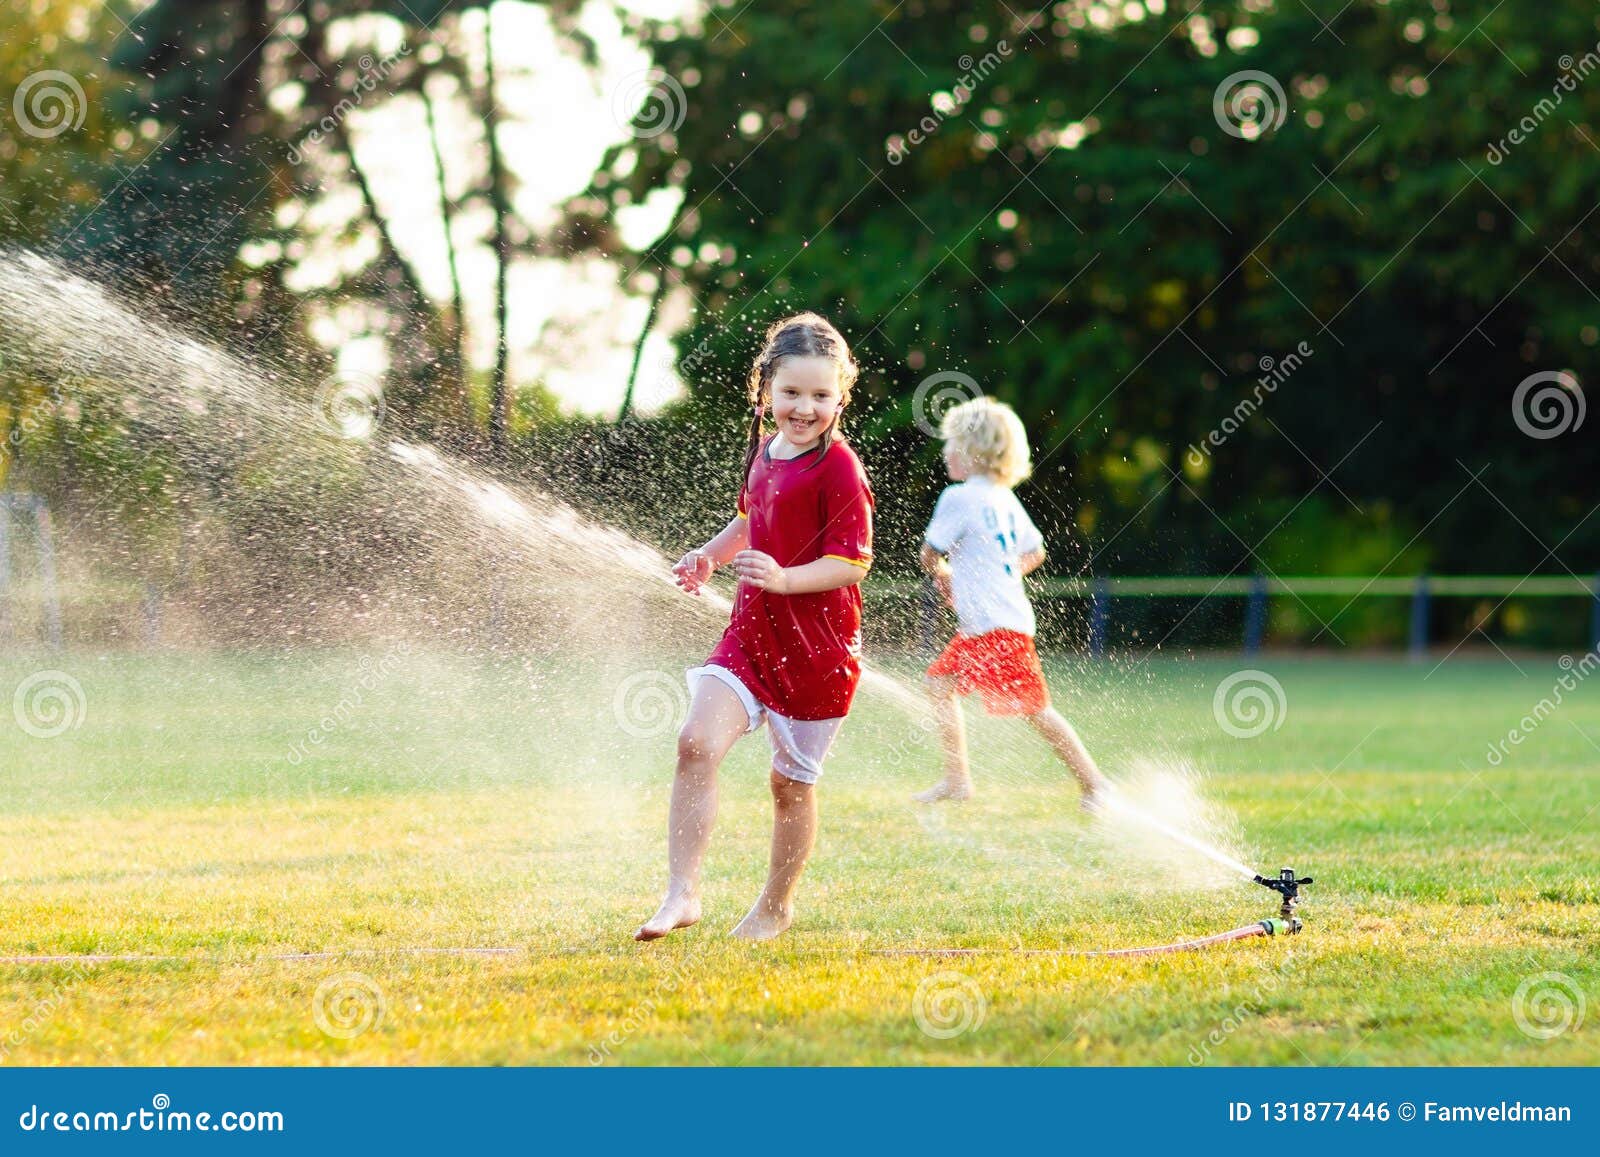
x=1288 y=887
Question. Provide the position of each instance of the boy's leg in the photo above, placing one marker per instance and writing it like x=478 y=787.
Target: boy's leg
x=716 y=721
x=957 y=783
x=794 y=834
x=1071 y=751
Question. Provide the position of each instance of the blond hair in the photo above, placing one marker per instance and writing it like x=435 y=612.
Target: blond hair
x=990 y=436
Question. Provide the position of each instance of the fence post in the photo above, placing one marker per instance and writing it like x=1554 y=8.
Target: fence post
x=1419 y=618
x=47 y=572
x=497 y=610
x=1594 y=617
x=1255 y=614
x=1099 y=617
x=150 y=605
x=5 y=566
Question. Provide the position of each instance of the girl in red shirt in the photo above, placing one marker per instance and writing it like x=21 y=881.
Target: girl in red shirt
x=790 y=658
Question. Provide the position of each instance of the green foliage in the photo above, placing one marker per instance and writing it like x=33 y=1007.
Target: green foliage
x=1122 y=293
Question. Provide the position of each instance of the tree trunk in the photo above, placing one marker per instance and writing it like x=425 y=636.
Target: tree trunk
x=638 y=349
x=455 y=383
x=414 y=303
x=499 y=401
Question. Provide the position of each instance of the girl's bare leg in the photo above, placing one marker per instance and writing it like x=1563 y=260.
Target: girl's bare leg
x=957 y=783
x=1071 y=751
x=794 y=833
x=716 y=720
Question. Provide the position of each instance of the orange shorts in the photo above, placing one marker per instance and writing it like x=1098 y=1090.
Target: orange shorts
x=1002 y=665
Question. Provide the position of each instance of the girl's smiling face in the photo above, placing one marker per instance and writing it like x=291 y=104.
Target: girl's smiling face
x=806 y=399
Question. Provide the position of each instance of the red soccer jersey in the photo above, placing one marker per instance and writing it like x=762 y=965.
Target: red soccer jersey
x=800 y=655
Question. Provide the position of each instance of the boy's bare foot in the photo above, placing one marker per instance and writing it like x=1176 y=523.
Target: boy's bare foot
x=954 y=792
x=675 y=912
x=1094 y=799
x=764 y=922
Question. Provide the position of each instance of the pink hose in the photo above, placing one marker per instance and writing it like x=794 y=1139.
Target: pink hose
x=1260 y=928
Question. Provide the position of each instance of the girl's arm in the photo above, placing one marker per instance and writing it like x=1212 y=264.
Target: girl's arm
x=695 y=569
x=826 y=574
x=729 y=541
x=1031 y=561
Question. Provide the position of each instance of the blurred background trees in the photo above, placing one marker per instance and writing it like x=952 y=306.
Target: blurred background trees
x=1082 y=209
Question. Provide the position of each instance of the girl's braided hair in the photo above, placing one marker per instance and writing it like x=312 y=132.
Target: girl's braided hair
x=801 y=335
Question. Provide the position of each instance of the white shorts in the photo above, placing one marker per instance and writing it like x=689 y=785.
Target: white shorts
x=798 y=745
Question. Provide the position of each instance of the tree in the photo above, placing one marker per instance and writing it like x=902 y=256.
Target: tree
x=1084 y=210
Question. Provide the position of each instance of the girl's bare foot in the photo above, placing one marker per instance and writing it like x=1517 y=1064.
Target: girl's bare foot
x=764 y=922
x=954 y=792
x=675 y=912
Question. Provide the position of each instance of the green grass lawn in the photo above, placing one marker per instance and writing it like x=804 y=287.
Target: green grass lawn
x=476 y=804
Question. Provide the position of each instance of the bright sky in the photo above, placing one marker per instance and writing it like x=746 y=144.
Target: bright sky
x=570 y=325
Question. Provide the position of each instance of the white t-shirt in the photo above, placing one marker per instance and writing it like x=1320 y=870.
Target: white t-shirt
x=985 y=531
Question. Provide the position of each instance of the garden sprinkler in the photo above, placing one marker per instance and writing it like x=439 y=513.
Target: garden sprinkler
x=1289 y=888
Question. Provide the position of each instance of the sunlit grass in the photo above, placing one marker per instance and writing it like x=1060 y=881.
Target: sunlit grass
x=462 y=804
